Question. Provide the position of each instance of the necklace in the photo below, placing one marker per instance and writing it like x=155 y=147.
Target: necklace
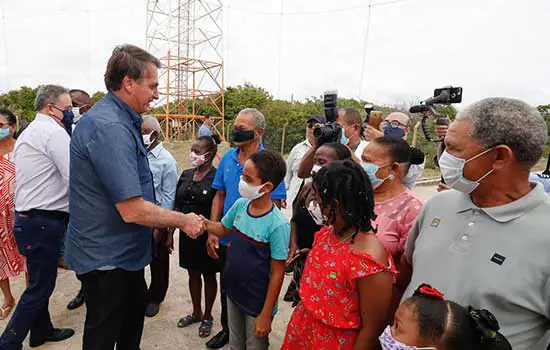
x=345 y=239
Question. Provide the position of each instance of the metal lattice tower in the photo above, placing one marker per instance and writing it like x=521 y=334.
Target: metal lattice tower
x=187 y=36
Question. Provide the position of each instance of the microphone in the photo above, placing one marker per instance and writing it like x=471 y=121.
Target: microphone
x=418 y=109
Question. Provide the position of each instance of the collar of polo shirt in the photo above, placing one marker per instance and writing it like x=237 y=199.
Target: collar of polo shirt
x=511 y=211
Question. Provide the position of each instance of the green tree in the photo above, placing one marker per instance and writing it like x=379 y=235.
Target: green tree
x=245 y=96
x=20 y=102
x=98 y=95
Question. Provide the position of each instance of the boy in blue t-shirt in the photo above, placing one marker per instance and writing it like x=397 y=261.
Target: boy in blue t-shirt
x=255 y=264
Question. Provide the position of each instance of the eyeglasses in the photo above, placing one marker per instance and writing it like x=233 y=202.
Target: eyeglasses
x=394 y=124
x=61 y=109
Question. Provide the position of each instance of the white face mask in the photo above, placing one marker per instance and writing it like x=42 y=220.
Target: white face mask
x=76 y=112
x=389 y=343
x=197 y=159
x=248 y=191
x=147 y=139
x=316 y=214
x=315 y=169
x=452 y=170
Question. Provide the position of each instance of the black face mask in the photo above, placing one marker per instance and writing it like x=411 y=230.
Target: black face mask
x=242 y=135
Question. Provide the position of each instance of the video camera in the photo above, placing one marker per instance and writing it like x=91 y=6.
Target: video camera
x=447 y=95
x=331 y=131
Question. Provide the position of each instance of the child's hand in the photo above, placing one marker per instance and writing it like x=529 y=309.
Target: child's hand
x=262 y=326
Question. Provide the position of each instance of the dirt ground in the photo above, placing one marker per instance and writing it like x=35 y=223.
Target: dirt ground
x=160 y=332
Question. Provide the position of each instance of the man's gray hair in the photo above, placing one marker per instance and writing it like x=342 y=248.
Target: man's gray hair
x=510 y=122
x=48 y=94
x=258 y=117
x=152 y=123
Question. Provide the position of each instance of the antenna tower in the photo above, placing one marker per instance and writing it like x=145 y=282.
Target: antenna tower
x=187 y=37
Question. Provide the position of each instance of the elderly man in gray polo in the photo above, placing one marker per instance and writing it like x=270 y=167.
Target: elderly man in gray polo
x=486 y=243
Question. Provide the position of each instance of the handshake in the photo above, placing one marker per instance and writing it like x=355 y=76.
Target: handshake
x=194 y=225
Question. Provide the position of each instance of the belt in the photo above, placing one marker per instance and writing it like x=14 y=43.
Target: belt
x=48 y=214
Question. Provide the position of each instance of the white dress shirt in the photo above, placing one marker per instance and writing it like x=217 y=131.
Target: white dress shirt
x=292 y=181
x=41 y=158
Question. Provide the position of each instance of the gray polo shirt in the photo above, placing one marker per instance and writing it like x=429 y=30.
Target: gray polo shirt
x=494 y=258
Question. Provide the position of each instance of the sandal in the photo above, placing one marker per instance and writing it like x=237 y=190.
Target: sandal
x=205 y=328
x=188 y=320
x=6 y=311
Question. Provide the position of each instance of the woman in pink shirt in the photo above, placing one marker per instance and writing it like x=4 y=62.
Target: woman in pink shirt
x=386 y=162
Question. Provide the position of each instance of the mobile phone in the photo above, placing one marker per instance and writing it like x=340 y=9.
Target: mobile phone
x=375 y=119
x=454 y=94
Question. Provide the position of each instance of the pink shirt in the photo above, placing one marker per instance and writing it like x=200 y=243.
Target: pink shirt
x=395 y=218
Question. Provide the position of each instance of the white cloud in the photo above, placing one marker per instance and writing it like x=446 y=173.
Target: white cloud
x=489 y=47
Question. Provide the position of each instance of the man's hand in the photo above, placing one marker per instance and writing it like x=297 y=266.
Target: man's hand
x=441 y=130
x=192 y=225
x=212 y=246
x=442 y=187
x=262 y=326
x=371 y=134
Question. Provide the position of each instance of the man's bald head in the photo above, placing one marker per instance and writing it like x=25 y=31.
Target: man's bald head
x=150 y=124
x=80 y=97
x=401 y=117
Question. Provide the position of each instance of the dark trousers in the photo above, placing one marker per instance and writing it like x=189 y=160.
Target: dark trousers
x=160 y=272
x=223 y=318
x=38 y=239
x=115 y=303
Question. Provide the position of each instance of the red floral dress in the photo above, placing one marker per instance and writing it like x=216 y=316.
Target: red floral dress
x=328 y=317
x=11 y=262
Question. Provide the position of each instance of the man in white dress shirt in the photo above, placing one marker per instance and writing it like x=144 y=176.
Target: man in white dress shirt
x=42 y=204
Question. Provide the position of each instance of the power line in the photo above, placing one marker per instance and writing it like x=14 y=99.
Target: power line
x=319 y=12
x=364 y=61
x=5 y=30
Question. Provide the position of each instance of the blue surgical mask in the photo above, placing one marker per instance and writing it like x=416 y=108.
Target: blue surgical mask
x=67 y=121
x=371 y=170
x=344 y=139
x=4 y=133
x=394 y=133
x=452 y=170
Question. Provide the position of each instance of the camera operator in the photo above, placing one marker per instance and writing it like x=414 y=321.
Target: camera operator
x=349 y=120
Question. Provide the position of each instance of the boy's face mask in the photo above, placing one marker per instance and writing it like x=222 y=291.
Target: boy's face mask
x=389 y=343
x=249 y=191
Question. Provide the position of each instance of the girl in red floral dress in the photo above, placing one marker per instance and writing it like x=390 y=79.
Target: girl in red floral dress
x=347 y=281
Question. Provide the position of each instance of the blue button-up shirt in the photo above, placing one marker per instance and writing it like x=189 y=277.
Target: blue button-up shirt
x=108 y=165
x=204 y=130
x=227 y=180
x=165 y=175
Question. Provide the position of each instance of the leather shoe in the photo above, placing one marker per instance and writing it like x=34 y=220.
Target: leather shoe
x=218 y=341
x=152 y=310
x=58 y=334
x=78 y=301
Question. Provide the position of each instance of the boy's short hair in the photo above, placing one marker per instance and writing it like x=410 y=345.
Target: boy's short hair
x=270 y=165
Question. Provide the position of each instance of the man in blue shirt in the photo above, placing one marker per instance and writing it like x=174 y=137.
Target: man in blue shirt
x=206 y=127
x=112 y=204
x=248 y=130
x=165 y=179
